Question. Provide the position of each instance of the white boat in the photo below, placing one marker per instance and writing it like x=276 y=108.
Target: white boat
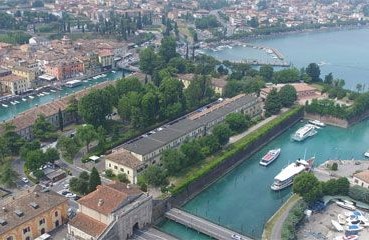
x=346 y=205
x=52 y=90
x=366 y=154
x=13 y=103
x=46 y=93
x=31 y=97
x=337 y=226
x=317 y=123
x=73 y=83
x=16 y=101
x=286 y=176
x=4 y=105
x=270 y=157
x=41 y=94
x=113 y=71
x=302 y=133
x=23 y=99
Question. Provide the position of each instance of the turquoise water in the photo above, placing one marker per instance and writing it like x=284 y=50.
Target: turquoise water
x=185 y=233
x=344 y=53
x=13 y=110
x=243 y=201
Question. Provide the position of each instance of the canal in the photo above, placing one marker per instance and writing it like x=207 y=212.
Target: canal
x=243 y=201
x=12 y=110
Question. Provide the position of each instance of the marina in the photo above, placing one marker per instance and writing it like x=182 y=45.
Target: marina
x=232 y=189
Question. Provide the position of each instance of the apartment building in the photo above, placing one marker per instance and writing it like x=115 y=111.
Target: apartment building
x=14 y=84
x=33 y=214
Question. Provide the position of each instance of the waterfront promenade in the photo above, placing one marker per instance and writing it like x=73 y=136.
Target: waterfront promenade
x=202 y=225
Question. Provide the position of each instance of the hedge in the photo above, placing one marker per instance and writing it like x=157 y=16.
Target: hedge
x=234 y=149
x=359 y=193
x=294 y=217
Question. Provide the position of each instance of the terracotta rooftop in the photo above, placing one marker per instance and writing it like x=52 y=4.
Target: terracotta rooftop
x=364 y=176
x=106 y=198
x=124 y=157
x=28 y=206
x=88 y=225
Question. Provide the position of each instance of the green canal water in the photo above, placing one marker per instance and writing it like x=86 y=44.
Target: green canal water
x=13 y=110
x=243 y=201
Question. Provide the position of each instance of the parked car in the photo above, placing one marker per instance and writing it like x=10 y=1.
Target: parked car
x=25 y=180
x=70 y=195
x=66 y=186
x=64 y=192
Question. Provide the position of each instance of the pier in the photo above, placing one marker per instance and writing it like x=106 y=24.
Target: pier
x=204 y=226
x=255 y=62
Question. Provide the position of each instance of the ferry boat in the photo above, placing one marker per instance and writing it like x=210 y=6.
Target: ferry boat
x=73 y=83
x=306 y=131
x=317 y=123
x=270 y=157
x=286 y=176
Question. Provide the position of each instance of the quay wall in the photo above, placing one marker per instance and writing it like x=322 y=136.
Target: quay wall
x=338 y=122
x=195 y=187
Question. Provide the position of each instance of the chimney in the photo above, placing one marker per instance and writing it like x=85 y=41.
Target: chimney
x=100 y=203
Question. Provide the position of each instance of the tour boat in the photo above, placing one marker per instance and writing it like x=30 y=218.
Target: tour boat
x=4 y=105
x=31 y=97
x=23 y=99
x=366 y=154
x=270 y=157
x=317 y=123
x=346 y=205
x=286 y=176
x=306 y=131
x=337 y=226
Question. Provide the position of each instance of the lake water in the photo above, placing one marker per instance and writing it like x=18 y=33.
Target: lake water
x=12 y=110
x=242 y=200
x=344 y=53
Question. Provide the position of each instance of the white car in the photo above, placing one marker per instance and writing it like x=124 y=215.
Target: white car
x=66 y=186
x=25 y=180
x=71 y=195
x=236 y=237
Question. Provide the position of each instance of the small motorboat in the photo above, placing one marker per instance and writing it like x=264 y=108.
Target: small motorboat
x=41 y=94
x=52 y=90
x=354 y=227
x=46 y=93
x=346 y=205
x=13 y=103
x=16 y=101
x=270 y=157
x=341 y=219
x=23 y=99
x=31 y=97
x=4 y=105
x=337 y=226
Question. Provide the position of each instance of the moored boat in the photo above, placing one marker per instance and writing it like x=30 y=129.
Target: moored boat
x=354 y=228
x=31 y=97
x=286 y=176
x=346 y=205
x=366 y=154
x=23 y=99
x=337 y=226
x=270 y=157
x=4 y=105
x=306 y=131
x=317 y=123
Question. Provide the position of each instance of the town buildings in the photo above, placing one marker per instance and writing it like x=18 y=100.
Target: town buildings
x=135 y=155
x=110 y=212
x=217 y=84
x=32 y=214
x=361 y=179
x=303 y=90
x=14 y=84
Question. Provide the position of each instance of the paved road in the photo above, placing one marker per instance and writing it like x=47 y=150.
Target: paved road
x=151 y=234
x=202 y=225
x=277 y=228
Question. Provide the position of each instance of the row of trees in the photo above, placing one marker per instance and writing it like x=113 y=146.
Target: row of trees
x=311 y=189
x=275 y=100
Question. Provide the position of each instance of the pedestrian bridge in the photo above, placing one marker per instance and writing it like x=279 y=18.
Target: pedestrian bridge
x=204 y=226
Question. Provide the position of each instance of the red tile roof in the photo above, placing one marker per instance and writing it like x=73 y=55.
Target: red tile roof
x=87 y=225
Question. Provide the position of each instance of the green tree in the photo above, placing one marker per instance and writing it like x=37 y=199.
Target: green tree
x=8 y=176
x=38 y=174
x=122 y=177
x=13 y=141
x=287 y=95
x=29 y=146
x=237 y=122
x=68 y=147
x=86 y=134
x=313 y=71
x=128 y=84
x=171 y=97
x=34 y=159
x=61 y=120
x=95 y=106
x=43 y=130
x=266 y=72
x=173 y=161
x=167 y=48
x=51 y=155
x=287 y=75
x=78 y=185
x=359 y=87
x=209 y=144
x=199 y=91
x=222 y=132
x=272 y=103
x=4 y=151
x=72 y=108
x=155 y=176
x=148 y=60
x=328 y=79
x=308 y=187
x=94 y=180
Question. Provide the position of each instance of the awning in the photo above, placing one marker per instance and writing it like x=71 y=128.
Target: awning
x=94 y=158
x=47 y=77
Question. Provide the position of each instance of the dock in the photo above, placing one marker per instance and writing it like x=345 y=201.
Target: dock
x=202 y=225
x=255 y=62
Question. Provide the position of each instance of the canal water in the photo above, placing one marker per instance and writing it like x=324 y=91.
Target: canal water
x=344 y=53
x=243 y=201
x=12 y=110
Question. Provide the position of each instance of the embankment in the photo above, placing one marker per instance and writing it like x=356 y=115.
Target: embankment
x=338 y=122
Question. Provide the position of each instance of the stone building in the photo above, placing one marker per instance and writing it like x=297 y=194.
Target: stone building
x=361 y=179
x=33 y=214
x=14 y=84
x=146 y=149
x=111 y=212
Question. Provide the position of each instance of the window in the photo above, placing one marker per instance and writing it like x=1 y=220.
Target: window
x=115 y=167
x=109 y=164
x=10 y=238
x=26 y=230
x=127 y=172
x=121 y=169
x=42 y=221
x=56 y=213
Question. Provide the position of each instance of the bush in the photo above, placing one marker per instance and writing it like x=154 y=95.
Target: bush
x=294 y=217
x=334 y=167
x=359 y=194
x=109 y=173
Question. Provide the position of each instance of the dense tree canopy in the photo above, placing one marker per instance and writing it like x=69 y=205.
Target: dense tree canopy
x=308 y=187
x=273 y=103
x=313 y=71
x=287 y=95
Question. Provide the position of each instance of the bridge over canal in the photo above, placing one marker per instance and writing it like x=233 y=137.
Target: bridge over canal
x=202 y=225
